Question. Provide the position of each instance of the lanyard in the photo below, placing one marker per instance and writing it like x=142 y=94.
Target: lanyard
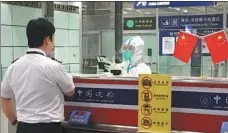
x=129 y=40
x=129 y=68
x=34 y=52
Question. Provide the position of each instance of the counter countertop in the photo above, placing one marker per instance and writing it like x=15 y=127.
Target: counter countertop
x=174 y=78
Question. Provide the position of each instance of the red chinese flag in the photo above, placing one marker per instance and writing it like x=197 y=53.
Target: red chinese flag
x=185 y=45
x=217 y=46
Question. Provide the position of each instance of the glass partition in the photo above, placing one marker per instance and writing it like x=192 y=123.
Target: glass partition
x=14 y=19
x=81 y=37
x=16 y=15
x=165 y=64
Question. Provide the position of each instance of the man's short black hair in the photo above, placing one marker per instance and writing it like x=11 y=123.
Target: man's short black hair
x=37 y=30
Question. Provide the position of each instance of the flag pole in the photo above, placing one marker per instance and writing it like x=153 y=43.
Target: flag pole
x=224 y=28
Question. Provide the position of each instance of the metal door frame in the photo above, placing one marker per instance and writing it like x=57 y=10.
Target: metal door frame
x=0 y=75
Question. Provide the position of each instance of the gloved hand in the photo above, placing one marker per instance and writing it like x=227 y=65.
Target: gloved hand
x=105 y=60
x=110 y=66
x=107 y=64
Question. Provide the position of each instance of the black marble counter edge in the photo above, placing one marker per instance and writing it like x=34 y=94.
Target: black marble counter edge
x=109 y=128
x=101 y=128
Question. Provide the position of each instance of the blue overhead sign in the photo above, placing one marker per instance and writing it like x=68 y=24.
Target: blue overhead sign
x=214 y=21
x=160 y=4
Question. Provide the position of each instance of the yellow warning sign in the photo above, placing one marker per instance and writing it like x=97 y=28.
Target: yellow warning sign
x=146 y=122
x=154 y=103
x=146 y=109
x=146 y=82
x=146 y=96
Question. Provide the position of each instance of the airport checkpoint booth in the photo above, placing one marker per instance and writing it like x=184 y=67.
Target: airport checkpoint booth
x=198 y=104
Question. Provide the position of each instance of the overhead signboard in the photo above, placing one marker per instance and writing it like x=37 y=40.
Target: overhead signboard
x=214 y=21
x=161 y=4
x=140 y=23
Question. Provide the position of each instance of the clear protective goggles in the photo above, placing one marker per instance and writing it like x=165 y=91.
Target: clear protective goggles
x=127 y=47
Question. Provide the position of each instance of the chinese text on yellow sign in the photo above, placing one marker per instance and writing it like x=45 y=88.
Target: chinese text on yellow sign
x=154 y=103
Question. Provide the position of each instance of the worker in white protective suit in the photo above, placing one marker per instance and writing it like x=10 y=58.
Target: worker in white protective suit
x=132 y=51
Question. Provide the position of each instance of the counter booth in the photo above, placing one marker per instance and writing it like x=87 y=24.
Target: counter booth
x=110 y=104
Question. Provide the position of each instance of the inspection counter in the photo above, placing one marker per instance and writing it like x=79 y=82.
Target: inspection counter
x=198 y=104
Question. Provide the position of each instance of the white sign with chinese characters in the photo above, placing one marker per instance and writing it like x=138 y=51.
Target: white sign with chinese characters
x=168 y=45
x=95 y=95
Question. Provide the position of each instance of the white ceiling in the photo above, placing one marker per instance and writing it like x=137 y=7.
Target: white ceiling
x=128 y=10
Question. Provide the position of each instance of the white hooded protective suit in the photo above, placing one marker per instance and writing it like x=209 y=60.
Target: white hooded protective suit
x=135 y=66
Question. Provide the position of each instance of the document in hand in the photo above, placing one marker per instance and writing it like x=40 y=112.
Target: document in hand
x=102 y=62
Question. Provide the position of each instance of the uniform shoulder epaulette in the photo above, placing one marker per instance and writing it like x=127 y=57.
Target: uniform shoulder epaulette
x=14 y=60
x=56 y=60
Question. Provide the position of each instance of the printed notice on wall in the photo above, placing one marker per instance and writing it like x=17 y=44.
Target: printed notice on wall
x=154 y=103
x=168 y=45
